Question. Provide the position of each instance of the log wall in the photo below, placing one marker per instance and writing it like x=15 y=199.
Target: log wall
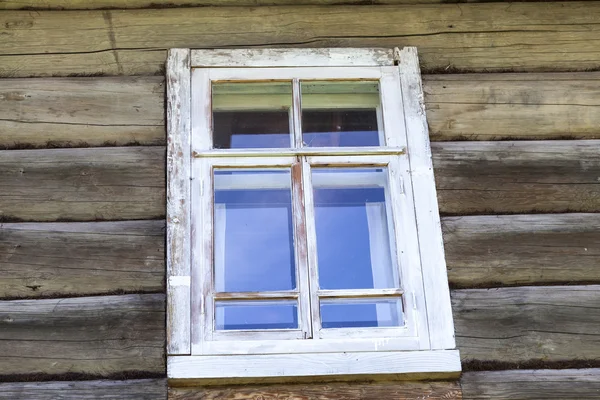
x=82 y=178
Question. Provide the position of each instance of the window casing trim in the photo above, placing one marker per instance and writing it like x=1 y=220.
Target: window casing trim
x=181 y=235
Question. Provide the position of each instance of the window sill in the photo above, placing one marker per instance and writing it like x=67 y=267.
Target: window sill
x=436 y=364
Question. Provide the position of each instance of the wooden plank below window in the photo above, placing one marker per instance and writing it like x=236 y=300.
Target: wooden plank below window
x=153 y=389
x=469 y=37
x=324 y=391
x=574 y=384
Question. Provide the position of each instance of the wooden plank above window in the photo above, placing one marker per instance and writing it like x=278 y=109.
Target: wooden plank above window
x=469 y=37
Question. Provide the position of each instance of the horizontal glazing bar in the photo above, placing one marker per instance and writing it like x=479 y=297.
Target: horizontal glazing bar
x=319 y=151
x=256 y=295
x=348 y=293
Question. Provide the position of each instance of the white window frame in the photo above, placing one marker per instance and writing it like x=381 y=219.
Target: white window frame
x=425 y=344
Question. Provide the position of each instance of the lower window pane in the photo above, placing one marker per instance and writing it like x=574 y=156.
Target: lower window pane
x=361 y=313
x=244 y=315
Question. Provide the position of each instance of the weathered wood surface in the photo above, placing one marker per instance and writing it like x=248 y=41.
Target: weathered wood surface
x=104 y=335
x=93 y=335
x=524 y=106
x=83 y=184
x=329 y=391
x=532 y=384
x=179 y=204
x=120 y=110
x=124 y=4
x=481 y=37
x=81 y=111
x=138 y=389
x=528 y=323
x=129 y=183
x=517 y=177
x=58 y=259
x=522 y=249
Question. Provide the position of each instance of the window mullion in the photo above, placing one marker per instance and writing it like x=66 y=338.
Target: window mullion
x=311 y=239
x=296 y=113
x=301 y=248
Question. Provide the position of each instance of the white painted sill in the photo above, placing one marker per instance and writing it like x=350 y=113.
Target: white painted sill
x=421 y=364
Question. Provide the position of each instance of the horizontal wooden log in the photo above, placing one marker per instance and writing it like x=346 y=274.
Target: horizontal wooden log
x=564 y=384
x=522 y=249
x=111 y=334
x=81 y=111
x=517 y=177
x=510 y=106
x=478 y=37
x=85 y=390
x=92 y=335
x=328 y=391
x=62 y=112
x=527 y=323
x=129 y=183
x=58 y=259
x=83 y=184
x=78 y=258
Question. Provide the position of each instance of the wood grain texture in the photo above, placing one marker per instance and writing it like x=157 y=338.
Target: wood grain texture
x=129 y=183
x=81 y=111
x=103 y=335
x=517 y=177
x=83 y=184
x=179 y=175
x=124 y=4
x=522 y=249
x=58 y=259
x=138 y=389
x=83 y=258
x=92 y=335
x=523 y=106
x=532 y=384
x=119 y=110
x=478 y=37
x=329 y=391
x=528 y=323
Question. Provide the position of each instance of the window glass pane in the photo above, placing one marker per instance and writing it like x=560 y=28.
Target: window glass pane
x=251 y=115
x=341 y=114
x=253 y=231
x=353 y=238
x=236 y=315
x=361 y=313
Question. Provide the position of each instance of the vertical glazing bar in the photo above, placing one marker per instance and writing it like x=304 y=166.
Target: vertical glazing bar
x=300 y=244
x=311 y=240
x=297 y=113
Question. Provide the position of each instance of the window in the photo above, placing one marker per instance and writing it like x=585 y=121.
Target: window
x=303 y=234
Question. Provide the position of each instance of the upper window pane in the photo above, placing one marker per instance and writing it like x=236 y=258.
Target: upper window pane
x=253 y=231
x=341 y=114
x=251 y=115
x=351 y=221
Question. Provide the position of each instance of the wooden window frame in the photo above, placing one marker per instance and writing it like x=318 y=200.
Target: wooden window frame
x=425 y=344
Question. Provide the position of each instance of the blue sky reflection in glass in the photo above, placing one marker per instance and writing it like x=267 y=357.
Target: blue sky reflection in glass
x=352 y=227
x=245 y=315
x=254 y=243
